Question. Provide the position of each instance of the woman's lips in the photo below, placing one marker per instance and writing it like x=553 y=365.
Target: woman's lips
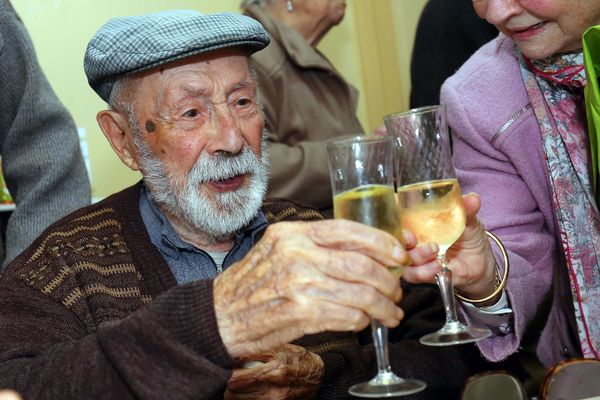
x=527 y=32
x=227 y=185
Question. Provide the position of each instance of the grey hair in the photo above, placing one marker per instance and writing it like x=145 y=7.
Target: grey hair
x=120 y=102
x=118 y=92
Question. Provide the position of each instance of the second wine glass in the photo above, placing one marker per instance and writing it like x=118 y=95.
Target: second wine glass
x=361 y=170
x=430 y=203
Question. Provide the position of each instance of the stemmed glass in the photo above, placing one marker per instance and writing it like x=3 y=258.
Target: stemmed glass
x=430 y=202
x=361 y=171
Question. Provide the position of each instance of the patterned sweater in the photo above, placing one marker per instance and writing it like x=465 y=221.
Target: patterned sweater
x=91 y=311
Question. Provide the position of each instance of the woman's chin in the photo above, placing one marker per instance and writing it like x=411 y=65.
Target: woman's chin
x=537 y=52
x=540 y=49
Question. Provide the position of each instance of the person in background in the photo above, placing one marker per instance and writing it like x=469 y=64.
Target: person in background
x=170 y=288
x=306 y=101
x=448 y=33
x=517 y=112
x=41 y=159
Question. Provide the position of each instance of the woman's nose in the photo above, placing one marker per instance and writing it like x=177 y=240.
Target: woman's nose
x=498 y=12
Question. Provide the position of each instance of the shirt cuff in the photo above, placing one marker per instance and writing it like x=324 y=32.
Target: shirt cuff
x=497 y=317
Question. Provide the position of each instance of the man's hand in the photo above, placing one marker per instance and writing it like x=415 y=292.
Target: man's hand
x=9 y=395
x=291 y=372
x=308 y=277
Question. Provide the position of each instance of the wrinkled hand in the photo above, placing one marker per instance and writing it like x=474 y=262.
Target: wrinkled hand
x=9 y=395
x=470 y=257
x=308 y=277
x=291 y=372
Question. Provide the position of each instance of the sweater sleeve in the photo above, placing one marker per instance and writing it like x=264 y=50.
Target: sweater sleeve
x=41 y=158
x=170 y=348
x=511 y=183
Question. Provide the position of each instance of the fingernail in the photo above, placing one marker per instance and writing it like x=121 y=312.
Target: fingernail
x=398 y=253
x=408 y=237
x=399 y=314
x=431 y=248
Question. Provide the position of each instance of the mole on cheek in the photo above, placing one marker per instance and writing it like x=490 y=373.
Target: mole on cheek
x=162 y=151
x=150 y=126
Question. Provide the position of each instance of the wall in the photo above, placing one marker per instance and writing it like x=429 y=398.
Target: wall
x=371 y=48
x=405 y=14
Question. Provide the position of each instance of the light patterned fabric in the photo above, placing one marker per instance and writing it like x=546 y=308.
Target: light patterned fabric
x=565 y=69
x=558 y=107
x=131 y=44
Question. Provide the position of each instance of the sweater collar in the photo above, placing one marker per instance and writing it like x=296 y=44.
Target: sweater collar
x=163 y=235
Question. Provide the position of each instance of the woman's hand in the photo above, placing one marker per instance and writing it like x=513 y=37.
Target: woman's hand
x=470 y=258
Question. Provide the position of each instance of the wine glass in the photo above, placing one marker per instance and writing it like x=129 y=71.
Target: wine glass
x=361 y=171
x=430 y=202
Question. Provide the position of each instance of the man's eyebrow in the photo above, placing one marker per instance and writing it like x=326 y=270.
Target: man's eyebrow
x=195 y=91
x=243 y=83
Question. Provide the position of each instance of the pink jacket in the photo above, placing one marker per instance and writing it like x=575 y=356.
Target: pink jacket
x=498 y=154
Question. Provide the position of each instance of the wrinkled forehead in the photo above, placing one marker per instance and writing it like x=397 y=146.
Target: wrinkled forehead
x=212 y=76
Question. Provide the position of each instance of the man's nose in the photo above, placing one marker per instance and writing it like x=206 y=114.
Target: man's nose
x=499 y=11
x=226 y=135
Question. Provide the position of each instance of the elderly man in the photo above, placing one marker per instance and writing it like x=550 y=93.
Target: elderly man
x=169 y=288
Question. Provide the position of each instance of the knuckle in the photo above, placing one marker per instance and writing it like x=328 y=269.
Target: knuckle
x=357 y=319
x=277 y=229
x=370 y=297
x=365 y=264
x=360 y=264
x=271 y=231
x=299 y=293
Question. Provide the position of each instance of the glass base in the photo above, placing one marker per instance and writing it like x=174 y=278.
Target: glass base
x=455 y=333
x=386 y=385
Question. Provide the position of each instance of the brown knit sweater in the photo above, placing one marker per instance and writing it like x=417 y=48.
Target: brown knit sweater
x=91 y=311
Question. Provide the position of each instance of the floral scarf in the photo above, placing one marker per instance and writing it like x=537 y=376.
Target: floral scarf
x=553 y=85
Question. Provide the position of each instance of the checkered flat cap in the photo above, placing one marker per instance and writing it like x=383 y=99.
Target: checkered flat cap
x=132 y=44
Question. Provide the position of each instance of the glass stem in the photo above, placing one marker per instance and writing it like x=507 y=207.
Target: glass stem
x=380 y=339
x=444 y=280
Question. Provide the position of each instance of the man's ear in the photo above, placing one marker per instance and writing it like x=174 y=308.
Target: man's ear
x=116 y=129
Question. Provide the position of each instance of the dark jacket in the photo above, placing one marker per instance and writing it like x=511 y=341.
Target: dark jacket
x=448 y=33
x=92 y=311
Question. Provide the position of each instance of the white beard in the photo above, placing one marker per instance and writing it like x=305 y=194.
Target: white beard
x=219 y=216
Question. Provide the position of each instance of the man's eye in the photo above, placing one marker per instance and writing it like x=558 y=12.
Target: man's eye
x=244 y=102
x=191 y=113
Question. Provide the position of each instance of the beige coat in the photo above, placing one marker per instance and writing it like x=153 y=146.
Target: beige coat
x=306 y=102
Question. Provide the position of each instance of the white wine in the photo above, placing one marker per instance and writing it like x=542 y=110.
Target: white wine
x=373 y=205
x=433 y=211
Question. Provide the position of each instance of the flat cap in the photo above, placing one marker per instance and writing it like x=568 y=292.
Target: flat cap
x=131 y=44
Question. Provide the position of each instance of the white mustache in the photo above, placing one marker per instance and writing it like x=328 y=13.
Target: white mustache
x=224 y=166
